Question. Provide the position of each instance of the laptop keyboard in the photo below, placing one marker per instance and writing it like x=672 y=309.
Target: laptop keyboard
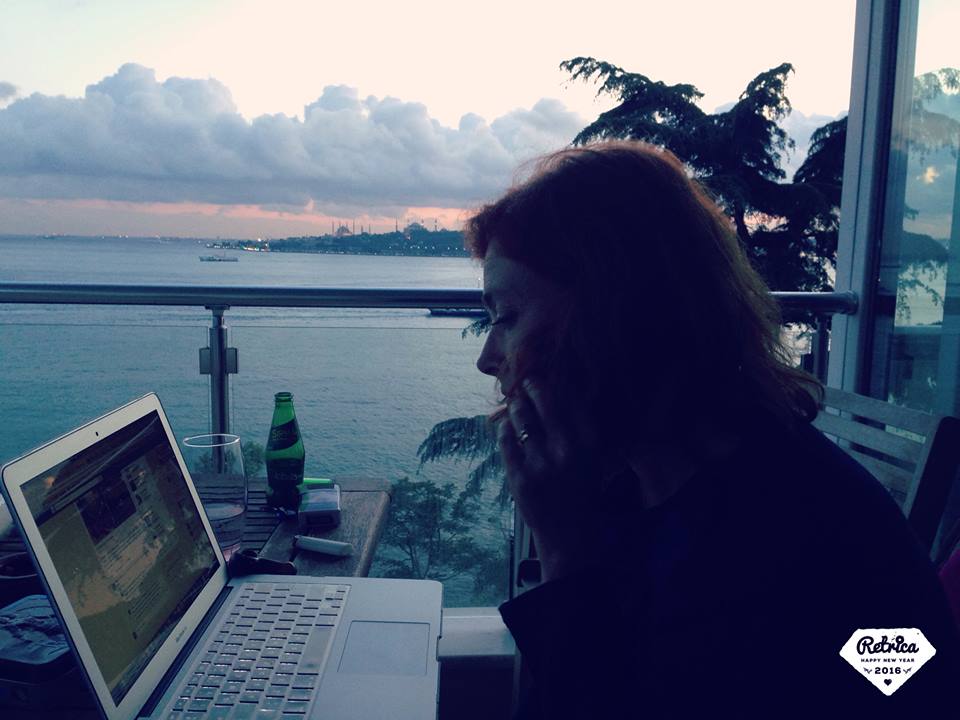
x=266 y=658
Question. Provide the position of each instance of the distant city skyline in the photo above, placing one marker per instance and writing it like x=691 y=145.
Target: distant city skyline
x=247 y=119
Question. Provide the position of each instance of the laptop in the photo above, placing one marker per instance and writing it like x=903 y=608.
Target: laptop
x=119 y=537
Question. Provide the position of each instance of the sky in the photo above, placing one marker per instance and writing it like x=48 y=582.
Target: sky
x=265 y=119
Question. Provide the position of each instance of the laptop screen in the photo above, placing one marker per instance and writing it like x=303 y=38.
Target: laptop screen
x=124 y=534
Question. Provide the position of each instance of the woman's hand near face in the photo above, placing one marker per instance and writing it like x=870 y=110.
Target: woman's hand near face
x=549 y=477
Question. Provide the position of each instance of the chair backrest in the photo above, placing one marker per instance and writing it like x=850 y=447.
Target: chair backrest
x=914 y=454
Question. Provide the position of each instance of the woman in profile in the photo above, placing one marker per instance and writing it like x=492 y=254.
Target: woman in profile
x=704 y=551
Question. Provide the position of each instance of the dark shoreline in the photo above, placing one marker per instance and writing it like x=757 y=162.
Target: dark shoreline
x=442 y=243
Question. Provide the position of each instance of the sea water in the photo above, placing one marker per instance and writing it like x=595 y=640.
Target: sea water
x=368 y=384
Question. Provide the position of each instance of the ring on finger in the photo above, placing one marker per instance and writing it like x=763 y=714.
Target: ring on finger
x=523 y=436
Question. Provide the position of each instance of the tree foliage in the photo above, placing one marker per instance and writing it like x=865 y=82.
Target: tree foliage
x=931 y=130
x=787 y=228
x=252 y=458
x=432 y=534
x=468 y=439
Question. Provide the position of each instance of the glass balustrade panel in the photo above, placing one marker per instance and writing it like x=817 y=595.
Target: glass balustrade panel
x=374 y=390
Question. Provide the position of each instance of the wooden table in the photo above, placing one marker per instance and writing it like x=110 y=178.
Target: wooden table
x=364 y=505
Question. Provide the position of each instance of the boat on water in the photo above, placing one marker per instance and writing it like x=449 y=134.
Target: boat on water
x=458 y=312
x=219 y=258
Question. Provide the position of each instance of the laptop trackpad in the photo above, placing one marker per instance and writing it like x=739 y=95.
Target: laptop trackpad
x=385 y=648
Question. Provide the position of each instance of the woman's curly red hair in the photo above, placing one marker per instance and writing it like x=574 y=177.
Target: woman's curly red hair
x=666 y=323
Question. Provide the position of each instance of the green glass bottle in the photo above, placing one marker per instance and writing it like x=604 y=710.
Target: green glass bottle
x=284 y=456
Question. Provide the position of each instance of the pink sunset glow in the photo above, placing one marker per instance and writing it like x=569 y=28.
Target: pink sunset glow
x=191 y=219
x=212 y=119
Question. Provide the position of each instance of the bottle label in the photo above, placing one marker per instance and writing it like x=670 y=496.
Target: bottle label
x=283 y=476
x=284 y=473
x=283 y=436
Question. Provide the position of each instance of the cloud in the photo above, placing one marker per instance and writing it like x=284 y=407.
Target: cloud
x=800 y=128
x=8 y=91
x=929 y=193
x=132 y=138
x=929 y=176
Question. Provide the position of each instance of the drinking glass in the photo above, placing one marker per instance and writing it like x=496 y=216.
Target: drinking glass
x=215 y=463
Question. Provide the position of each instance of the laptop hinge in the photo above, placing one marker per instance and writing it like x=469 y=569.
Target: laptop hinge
x=161 y=689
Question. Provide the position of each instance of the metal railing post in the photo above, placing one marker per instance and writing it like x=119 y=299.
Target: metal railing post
x=219 y=383
x=219 y=361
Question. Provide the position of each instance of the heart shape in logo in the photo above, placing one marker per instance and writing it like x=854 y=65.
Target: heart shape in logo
x=887 y=681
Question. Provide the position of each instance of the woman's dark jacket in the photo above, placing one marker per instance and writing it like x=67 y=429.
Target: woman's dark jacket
x=733 y=599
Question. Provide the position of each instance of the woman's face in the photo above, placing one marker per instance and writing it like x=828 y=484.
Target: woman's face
x=523 y=305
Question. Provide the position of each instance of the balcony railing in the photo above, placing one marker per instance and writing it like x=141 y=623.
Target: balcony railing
x=249 y=326
x=220 y=361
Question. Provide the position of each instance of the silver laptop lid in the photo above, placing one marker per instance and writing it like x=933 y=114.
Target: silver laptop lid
x=117 y=531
